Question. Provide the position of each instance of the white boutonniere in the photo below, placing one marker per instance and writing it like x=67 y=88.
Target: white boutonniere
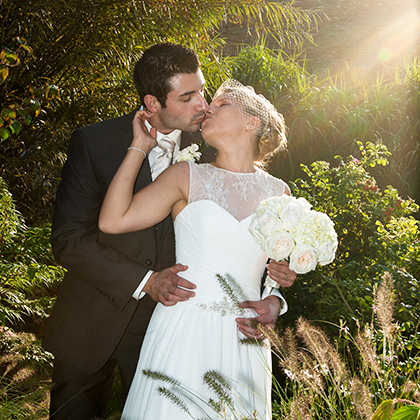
x=189 y=154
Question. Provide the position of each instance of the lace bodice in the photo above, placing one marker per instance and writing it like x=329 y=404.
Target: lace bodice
x=237 y=193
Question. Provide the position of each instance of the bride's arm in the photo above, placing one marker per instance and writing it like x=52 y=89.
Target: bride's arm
x=124 y=212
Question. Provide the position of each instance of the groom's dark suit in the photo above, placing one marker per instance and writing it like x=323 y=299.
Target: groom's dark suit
x=95 y=307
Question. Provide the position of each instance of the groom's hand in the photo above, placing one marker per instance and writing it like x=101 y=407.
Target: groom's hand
x=168 y=288
x=268 y=311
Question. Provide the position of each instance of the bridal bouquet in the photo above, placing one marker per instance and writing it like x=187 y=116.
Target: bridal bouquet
x=287 y=228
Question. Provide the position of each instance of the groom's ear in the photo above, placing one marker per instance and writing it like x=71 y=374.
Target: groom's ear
x=152 y=103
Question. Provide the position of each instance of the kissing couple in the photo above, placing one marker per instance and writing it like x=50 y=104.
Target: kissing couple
x=117 y=219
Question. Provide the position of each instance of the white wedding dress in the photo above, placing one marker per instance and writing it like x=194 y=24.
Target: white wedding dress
x=191 y=338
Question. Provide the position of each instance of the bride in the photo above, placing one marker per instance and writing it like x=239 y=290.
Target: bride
x=211 y=205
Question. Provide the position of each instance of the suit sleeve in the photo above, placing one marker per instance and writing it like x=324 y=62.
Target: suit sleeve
x=74 y=236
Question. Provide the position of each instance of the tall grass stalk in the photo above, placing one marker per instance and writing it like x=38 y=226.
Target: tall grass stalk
x=346 y=379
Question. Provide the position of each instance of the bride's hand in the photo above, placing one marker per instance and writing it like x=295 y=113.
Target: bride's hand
x=280 y=273
x=142 y=139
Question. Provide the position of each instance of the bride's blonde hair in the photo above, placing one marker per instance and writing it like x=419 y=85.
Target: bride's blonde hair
x=270 y=132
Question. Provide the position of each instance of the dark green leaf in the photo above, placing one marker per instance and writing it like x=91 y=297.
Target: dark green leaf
x=4 y=133
x=409 y=412
x=383 y=412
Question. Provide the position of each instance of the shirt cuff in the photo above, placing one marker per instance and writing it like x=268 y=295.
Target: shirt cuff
x=276 y=292
x=138 y=293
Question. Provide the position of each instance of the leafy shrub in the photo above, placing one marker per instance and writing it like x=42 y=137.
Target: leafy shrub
x=25 y=370
x=28 y=276
x=376 y=235
x=326 y=117
x=333 y=114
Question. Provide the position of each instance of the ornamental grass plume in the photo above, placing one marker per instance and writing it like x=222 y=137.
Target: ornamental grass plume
x=309 y=374
x=290 y=357
x=23 y=374
x=320 y=346
x=300 y=408
x=360 y=395
x=412 y=390
x=220 y=385
x=298 y=365
x=274 y=339
x=383 y=304
x=367 y=351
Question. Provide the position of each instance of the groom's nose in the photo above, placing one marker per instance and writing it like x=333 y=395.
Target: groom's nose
x=202 y=104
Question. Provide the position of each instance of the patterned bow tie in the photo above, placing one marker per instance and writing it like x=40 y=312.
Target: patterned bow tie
x=164 y=160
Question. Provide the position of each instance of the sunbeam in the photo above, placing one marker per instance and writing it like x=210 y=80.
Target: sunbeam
x=391 y=44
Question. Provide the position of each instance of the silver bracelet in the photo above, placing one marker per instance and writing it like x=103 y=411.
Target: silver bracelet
x=139 y=150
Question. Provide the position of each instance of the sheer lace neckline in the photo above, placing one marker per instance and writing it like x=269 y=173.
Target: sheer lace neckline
x=232 y=172
x=237 y=193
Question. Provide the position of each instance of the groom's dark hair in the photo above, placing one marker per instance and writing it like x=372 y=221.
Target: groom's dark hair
x=158 y=64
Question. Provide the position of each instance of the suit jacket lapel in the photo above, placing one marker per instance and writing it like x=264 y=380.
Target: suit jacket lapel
x=188 y=138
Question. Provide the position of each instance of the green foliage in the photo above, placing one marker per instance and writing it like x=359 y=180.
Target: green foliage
x=18 y=114
x=376 y=234
x=28 y=282
x=409 y=412
x=66 y=64
x=350 y=376
x=25 y=369
x=326 y=117
x=10 y=219
x=28 y=277
x=333 y=114
x=281 y=79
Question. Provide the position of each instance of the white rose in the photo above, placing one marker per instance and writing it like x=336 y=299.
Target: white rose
x=293 y=213
x=254 y=230
x=327 y=252
x=279 y=246
x=304 y=203
x=269 y=223
x=324 y=238
x=275 y=204
x=303 y=259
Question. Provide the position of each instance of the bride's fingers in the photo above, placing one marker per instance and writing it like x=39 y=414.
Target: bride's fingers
x=146 y=113
x=140 y=118
x=141 y=136
x=153 y=132
x=139 y=122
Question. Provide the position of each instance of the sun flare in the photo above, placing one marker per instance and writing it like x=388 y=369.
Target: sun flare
x=395 y=39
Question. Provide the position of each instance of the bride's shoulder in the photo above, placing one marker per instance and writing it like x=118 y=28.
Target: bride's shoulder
x=177 y=173
x=199 y=169
x=276 y=184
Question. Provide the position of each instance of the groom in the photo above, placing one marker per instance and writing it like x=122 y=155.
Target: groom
x=114 y=281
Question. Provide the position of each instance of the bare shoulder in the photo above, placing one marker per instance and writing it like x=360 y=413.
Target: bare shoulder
x=177 y=175
x=277 y=184
x=178 y=170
